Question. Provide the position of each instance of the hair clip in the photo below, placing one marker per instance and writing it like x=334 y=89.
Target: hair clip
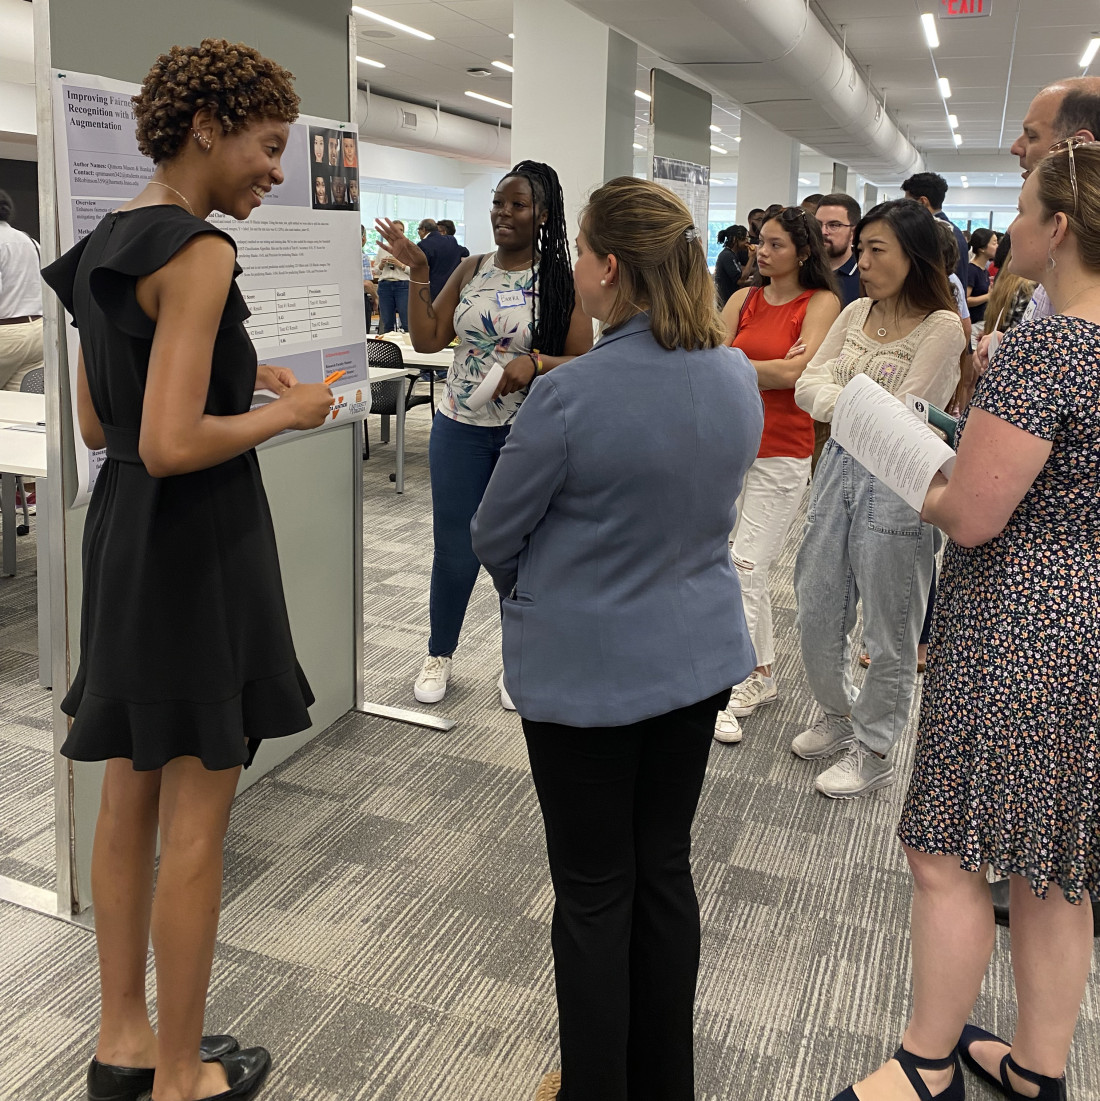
x=691 y=234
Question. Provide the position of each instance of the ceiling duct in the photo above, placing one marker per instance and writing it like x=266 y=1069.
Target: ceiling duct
x=410 y=126
x=838 y=115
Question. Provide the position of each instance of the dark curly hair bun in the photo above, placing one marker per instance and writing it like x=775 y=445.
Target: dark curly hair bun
x=235 y=81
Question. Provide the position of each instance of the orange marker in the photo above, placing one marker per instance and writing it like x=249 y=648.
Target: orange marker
x=333 y=377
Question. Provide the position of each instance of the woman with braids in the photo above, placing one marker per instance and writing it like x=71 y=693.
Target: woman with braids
x=779 y=326
x=186 y=658
x=605 y=529
x=513 y=307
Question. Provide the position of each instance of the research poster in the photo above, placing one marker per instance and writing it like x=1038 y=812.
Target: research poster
x=300 y=251
x=692 y=183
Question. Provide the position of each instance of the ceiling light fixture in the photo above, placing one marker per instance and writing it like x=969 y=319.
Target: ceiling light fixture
x=928 y=22
x=368 y=61
x=643 y=95
x=717 y=149
x=489 y=99
x=393 y=23
x=945 y=87
x=641 y=147
x=505 y=66
x=738 y=138
x=953 y=121
x=804 y=181
x=510 y=35
x=958 y=138
x=1090 y=52
x=715 y=129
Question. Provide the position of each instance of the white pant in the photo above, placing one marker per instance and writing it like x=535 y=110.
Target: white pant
x=770 y=497
x=20 y=352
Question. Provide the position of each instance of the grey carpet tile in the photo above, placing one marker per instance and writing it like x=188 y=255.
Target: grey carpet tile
x=385 y=927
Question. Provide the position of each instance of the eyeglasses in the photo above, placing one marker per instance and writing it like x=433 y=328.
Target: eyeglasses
x=832 y=227
x=1068 y=145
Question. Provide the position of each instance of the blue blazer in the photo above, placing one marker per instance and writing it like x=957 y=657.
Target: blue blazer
x=605 y=527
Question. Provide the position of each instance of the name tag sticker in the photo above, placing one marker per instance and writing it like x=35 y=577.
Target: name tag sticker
x=508 y=299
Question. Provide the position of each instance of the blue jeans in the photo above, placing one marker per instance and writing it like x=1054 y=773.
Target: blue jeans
x=393 y=303
x=461 y=458
x=862 y=542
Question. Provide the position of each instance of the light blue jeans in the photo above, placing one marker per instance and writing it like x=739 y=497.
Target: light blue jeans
x=862 y=542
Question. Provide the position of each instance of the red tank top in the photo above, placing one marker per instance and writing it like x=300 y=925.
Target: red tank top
x=767 y=332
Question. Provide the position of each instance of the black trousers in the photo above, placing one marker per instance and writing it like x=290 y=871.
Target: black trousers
x=618 y=803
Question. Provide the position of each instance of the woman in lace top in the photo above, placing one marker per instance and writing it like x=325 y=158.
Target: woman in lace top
x=862 y=541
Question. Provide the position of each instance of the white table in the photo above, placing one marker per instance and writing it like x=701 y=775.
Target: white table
x=17 y=408
x=21 y=452
x=24 y=453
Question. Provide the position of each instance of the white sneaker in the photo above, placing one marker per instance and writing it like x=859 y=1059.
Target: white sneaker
x=505 y=699
x=821 y=741
x=753 y=692
x=431 y=685
x=858 y=772
x=727 y=729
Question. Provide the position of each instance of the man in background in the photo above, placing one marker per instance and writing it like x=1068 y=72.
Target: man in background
x=20 y=301
x=930 y=189
x=838 y=215
x=443 y=253
x=447 y=227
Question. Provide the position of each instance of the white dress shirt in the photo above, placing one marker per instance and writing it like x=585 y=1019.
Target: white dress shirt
x=20 y=282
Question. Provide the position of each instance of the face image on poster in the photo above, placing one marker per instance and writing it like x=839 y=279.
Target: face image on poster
x=334 y=168
x=302 y=264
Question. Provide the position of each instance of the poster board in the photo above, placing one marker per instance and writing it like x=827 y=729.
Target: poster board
x=691 y=182
x=300 y=250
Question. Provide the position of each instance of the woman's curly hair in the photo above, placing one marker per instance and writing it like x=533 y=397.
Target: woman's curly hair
x=235 y=81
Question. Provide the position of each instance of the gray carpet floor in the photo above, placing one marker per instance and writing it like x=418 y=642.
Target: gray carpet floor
x=386 y=922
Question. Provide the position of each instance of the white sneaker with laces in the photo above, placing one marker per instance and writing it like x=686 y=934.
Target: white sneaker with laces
x=431 y=685
x=858 y=772
x=822 y=741
x=753 y=692
x=505 y=699
x=727 y=729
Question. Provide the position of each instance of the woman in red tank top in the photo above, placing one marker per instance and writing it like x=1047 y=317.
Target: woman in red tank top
x=779 y=326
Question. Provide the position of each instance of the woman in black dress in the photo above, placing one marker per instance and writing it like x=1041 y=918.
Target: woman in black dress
x=186 y=659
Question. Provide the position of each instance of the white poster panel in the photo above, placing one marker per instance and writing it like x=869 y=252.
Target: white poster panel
x=692 y=183
x=300 y=251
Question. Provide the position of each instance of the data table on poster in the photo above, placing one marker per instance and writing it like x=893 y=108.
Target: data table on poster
x=294 y=315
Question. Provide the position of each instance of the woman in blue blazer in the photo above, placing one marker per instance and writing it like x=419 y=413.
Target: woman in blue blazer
x=605 y=527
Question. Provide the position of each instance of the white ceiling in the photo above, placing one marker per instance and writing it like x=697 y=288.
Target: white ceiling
x=994 y=64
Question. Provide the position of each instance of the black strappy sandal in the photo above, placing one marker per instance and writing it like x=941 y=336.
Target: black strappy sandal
x=912 y=1065
x=1050 y=1089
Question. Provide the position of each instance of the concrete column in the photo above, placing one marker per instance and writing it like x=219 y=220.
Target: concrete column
x=767 y=167
x=870 y=197
x=840 y=179
x=477 y=200
x=583 y=126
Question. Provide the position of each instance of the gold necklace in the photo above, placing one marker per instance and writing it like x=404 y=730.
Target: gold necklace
x=190 y=208
x=1079 y=294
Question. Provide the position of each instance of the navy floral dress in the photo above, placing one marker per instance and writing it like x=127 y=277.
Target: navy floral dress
x=1007 y=769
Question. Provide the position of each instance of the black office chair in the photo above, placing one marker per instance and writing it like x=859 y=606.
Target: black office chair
x=384 y=397
x=34 y=382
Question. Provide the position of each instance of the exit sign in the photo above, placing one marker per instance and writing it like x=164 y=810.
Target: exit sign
x=964 y=9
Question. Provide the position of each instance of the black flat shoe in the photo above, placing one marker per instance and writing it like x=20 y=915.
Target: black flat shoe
x=912 y=1064
x=111 y=1083
x=245 y=1070
x=1050 y=1089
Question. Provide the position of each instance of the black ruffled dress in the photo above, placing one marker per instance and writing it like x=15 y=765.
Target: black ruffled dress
x=185 y=646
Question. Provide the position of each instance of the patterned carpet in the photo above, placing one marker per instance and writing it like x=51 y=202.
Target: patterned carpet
x=387 y=905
